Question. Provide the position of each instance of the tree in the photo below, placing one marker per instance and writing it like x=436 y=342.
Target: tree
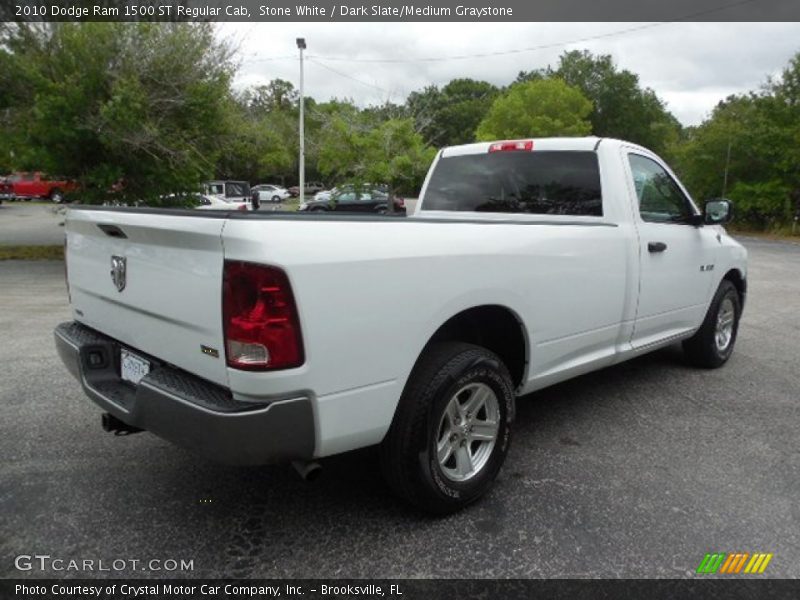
x=621 y=108
x=139 y=103
x=755 y=139
x=423 y=106
x=451 y=115
x=397 y=155
x=255 y=147
x=548 y=107
x=354 y=149
x=278 y=94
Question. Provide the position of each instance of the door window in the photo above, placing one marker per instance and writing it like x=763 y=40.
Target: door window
x=660 y=198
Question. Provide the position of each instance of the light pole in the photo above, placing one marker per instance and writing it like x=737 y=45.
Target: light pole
x=301 y=45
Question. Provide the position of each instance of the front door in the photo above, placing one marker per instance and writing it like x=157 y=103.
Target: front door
x=675 y=254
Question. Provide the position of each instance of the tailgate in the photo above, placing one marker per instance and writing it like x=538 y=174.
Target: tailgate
x=170 y=302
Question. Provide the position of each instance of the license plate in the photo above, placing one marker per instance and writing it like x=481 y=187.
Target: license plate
x=132 y=367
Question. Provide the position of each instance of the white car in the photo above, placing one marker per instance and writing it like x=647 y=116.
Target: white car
x=259 y=337
x=271 y=193
x=213 y=202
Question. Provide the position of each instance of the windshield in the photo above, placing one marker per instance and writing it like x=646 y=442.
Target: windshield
x=547 y=182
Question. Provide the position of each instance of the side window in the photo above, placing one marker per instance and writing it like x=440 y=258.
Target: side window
x=233 y=188
x=660 y=198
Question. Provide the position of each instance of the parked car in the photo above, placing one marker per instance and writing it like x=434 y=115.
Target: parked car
x=325 y=195
x=311 y=188
x=211 y=202
x=368 y=200
x=37 y=185
x=354 y=199
x=235 y=191
x=270 y=193
x=277 y=337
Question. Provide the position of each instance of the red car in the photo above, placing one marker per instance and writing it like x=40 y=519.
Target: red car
x=25 y=186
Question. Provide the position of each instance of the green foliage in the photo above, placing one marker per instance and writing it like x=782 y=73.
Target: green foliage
x=764 y=205
x=392 y=152
x=620 y=107
x=756 y=138
x=548 y=107
x=397 y=155
x=140 y=103
x=451 y=115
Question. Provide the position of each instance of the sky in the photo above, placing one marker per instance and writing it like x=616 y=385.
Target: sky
x=691 y=66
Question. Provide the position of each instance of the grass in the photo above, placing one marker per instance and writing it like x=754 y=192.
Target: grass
x=32 y=252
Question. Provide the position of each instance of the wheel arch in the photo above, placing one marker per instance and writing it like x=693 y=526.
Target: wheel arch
x=494 y=327
x=736 y=277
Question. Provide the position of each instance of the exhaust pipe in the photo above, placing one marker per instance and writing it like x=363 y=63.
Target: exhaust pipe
x=117 y=426
x=308 y=470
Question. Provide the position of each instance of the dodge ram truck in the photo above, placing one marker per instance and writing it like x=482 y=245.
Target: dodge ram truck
x=254 y=337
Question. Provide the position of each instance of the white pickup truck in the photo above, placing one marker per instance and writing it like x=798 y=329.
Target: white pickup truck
x=260 y=337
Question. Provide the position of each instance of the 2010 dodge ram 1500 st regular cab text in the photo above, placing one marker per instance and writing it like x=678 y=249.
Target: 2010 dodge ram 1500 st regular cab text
x=254 y=338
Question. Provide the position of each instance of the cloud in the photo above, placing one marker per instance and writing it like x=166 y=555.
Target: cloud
x=691 y=66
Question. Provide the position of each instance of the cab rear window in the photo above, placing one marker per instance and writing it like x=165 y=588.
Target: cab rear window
x=544 y=182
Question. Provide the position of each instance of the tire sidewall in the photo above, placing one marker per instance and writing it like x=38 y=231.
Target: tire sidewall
x=456 y=493
x=727 y=291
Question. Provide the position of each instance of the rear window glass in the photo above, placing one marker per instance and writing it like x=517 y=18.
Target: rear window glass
x=545 y=183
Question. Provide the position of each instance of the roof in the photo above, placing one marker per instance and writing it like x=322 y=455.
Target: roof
x=554 y=143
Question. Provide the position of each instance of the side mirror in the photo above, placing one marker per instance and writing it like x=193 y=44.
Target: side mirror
x=717 y=212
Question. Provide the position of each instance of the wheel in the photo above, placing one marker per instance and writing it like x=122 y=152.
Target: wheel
x=451 y=431
x=319 y=209
x=276 y=198
x=56 y=196
x=713 y=343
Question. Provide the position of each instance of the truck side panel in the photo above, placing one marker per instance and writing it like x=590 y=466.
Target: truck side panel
x=368 y=308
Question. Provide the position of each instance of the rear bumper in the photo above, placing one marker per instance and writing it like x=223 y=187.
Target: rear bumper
x=186 y=410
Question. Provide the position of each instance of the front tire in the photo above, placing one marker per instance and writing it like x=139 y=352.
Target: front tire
x=712 y=345
x=451 y=431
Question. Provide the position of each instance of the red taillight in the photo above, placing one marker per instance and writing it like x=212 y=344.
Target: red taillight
x=262 y=329
x=242 y=207
x=512 y=146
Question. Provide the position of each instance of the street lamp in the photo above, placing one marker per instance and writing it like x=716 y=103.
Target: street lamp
x=301 y=45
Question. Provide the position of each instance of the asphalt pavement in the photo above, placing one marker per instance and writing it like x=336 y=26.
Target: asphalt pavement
x=633 y=471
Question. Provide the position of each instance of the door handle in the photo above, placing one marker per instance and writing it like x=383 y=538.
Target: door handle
x=656 y=246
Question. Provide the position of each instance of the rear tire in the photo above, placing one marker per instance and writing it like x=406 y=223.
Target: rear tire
x=56 y=196
x=712 y=345
x=451 y=431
